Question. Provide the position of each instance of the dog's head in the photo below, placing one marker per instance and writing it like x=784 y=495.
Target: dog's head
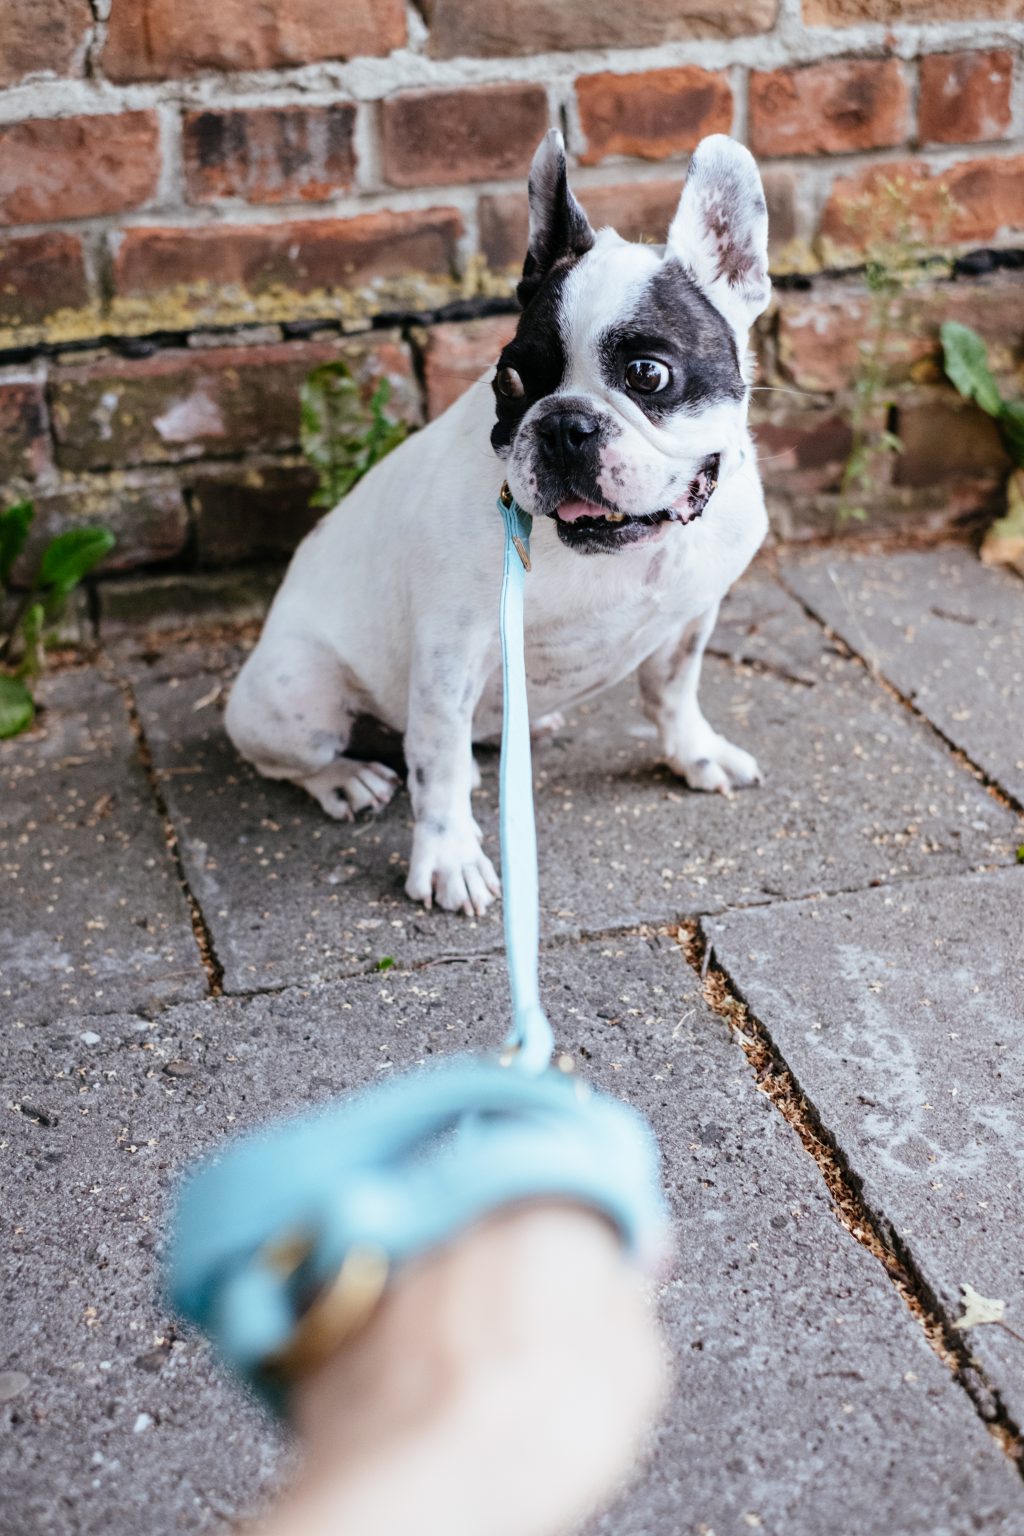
x=621 y=399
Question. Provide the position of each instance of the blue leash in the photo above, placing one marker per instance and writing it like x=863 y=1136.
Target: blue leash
x=283 y=1245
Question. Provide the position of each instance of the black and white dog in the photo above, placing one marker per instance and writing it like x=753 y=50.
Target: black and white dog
x=622 y=426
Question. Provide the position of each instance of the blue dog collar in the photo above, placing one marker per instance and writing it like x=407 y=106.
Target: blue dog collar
x=284 y=1243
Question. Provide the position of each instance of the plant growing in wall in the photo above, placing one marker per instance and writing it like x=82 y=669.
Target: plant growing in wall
x=966 y=363
x=28 y=620
x=342 y=437
x=898 y=259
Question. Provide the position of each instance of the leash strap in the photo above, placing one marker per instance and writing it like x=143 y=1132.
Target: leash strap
x=283 y=1243
x=530 y=1039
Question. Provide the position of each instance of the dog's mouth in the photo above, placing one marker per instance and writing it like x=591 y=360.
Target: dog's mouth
x=591 y=526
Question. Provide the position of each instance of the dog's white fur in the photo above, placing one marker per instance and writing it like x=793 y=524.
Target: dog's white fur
x=389 y=607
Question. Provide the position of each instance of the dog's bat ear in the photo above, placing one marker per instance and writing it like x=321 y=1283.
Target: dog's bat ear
x=720 y=231
x=558 y=225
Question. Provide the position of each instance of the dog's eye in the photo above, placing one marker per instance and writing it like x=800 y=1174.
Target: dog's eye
x=509 y=384
x=647 y=377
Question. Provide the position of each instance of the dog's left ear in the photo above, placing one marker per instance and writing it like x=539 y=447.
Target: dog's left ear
x=720 y=231
x=558 y=225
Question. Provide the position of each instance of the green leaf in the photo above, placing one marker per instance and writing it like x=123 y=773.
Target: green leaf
x=966 y=363
x=14 y=525
x=1020 y=853
x=72 y=555
x=341 y=436
x=16 y=708
x=385 y=963
x=1011 y=421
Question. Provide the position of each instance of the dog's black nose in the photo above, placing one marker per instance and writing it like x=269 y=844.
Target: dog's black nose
x=565 y=436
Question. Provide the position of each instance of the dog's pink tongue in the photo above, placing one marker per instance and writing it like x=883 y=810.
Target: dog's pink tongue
x=569 y=511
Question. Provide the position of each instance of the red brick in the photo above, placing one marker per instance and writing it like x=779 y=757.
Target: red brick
x=946 y=440
x=77 y=167
x=24 y=427
x=965 y=97
x=518 y=27
x=180 y=404
x=851 y=13
x=639 y=210
x=39 y=275
x=331 y=254
x=820 y=334
x=801 y=451
x=269 y=154
x=457 y=355
x=42 y=37
x=252 y=512
x=653 y=115
x=146 y=513
x=969 y=203
x=476 y=134
x=154 y=39
x=832 y=108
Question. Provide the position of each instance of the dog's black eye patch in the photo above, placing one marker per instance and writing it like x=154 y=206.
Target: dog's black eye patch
x=675 y=328
x=535 y=355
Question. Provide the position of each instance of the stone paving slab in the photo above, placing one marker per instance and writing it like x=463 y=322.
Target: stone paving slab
x=857 y=792
x=899 y=1014
x=92 y=915
x=807 y=1399
x=947 y=631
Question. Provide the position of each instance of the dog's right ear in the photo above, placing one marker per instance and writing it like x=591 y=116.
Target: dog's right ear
x=558 y=225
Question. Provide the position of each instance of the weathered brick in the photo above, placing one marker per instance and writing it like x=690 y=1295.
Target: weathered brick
x=39 y=276
x=843 y=105
x=821 y=335
x=965 y=97
x=24 y=427
x=975 y=201
x=947 y=440
x=333 y=255
x=269 y=154
x=154 y=39
x=517 y=27
x=180 y=404
x=918 y=515
x=801 y=451
x=474 y=134
x=145 y=512
x=44 y=37
x=639 y=210
x=851 y=13
x=653 y=115
x=252 y=512
x=157 y=604
x=458 y=354
x=75 y=167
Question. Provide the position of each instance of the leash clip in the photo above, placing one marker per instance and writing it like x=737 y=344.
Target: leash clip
x=507 y=500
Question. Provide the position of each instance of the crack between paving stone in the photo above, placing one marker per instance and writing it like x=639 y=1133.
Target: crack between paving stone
x=869 y=1228
x=758 y=665
x=874 y=671
x=212 y=966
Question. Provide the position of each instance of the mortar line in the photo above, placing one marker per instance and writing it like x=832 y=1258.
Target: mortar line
x=869 y=1227
x=212 y=966
x=874 y=671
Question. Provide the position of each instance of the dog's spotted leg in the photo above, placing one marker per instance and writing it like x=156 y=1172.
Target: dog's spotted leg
x=447 y=864
x=688 y=744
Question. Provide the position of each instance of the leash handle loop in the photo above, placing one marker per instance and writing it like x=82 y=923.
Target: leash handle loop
x=530 y=1039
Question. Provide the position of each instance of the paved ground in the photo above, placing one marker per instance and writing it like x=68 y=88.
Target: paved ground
x=187 y=950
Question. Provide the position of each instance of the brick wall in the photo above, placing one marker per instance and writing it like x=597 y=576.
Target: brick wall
x=200 y=202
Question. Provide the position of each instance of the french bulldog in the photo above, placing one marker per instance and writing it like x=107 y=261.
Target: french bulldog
x=618 y=415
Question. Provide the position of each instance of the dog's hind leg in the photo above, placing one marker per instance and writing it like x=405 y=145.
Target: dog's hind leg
x=689 y=745
x=291 y=713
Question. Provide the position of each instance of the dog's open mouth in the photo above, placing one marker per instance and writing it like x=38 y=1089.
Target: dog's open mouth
x=590 y=527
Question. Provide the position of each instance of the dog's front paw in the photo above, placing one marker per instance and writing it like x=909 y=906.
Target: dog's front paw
x=452 y=869
x=716 y=765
